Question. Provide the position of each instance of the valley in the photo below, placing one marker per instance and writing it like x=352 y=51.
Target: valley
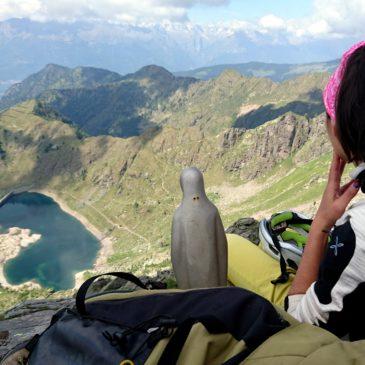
x=256 y=160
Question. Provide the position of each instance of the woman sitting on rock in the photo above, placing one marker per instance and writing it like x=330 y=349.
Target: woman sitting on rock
x=328 y=289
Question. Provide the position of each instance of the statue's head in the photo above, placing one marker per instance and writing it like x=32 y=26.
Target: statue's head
x=192 y=183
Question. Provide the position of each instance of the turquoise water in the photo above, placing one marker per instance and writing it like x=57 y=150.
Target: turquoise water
x=66 y=246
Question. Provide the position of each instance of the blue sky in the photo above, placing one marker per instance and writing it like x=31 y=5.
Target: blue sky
x=251 y=10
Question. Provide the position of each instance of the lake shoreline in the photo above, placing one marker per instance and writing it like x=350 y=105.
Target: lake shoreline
x=11 y=243
x=106 y=243
x=105 y=250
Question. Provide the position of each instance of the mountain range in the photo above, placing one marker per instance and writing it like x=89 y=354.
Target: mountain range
x=103 y=102
x=56 y=77
x=27 y=46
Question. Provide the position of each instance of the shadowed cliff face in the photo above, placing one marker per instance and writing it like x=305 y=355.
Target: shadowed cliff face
x=107 y=110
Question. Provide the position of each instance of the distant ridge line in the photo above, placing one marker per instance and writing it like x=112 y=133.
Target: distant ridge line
x=277 y=72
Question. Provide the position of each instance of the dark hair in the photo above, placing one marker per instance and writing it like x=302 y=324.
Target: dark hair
x=350 y=107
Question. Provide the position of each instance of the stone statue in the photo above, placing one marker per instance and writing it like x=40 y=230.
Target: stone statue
x=198 y=242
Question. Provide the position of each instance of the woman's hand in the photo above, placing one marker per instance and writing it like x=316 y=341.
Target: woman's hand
x=334 y=201
x=335 y=198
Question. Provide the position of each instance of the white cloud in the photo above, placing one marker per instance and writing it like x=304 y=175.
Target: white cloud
x=331 y=19
x=337 y=19
x=21 y=8
x=343 y=17
x=319 y=28
x=111 y=10
x=271 y=22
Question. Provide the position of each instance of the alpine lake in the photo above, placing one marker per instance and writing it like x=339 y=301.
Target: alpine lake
x=65 y=247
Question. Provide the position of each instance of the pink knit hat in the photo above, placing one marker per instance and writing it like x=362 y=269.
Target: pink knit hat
x=333 y=86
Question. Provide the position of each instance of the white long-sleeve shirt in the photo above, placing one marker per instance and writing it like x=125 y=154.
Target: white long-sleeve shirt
x=336 y=301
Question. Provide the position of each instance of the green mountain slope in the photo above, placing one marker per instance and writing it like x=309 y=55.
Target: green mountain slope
x=129 y=187
x=153 y=97
x=232 y=100
x=56 y=77
x=273 y=71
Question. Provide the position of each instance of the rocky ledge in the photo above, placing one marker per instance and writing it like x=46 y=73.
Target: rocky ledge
x=247 y=228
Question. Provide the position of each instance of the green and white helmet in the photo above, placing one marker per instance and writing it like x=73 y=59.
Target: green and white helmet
x=284 y=236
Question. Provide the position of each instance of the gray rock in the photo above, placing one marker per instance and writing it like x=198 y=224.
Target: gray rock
x=232 y=136
x=27 y=319
x=247 y=228
x=109 y=283
x=276 y=142
x=118 y=285
x=31 y=306
x=99 y=284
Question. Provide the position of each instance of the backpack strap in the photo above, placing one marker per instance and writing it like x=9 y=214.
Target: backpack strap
x=284 y=276
x=213 y=325
x=81 y=294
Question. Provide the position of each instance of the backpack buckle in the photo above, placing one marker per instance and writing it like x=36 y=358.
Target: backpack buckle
x=280 y=228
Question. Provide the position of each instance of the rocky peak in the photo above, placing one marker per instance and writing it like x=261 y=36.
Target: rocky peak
x=153 y=72
x=229 y=76
x=231 y=137
x=51 y=67
x=271 y=143
x=55 y=77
